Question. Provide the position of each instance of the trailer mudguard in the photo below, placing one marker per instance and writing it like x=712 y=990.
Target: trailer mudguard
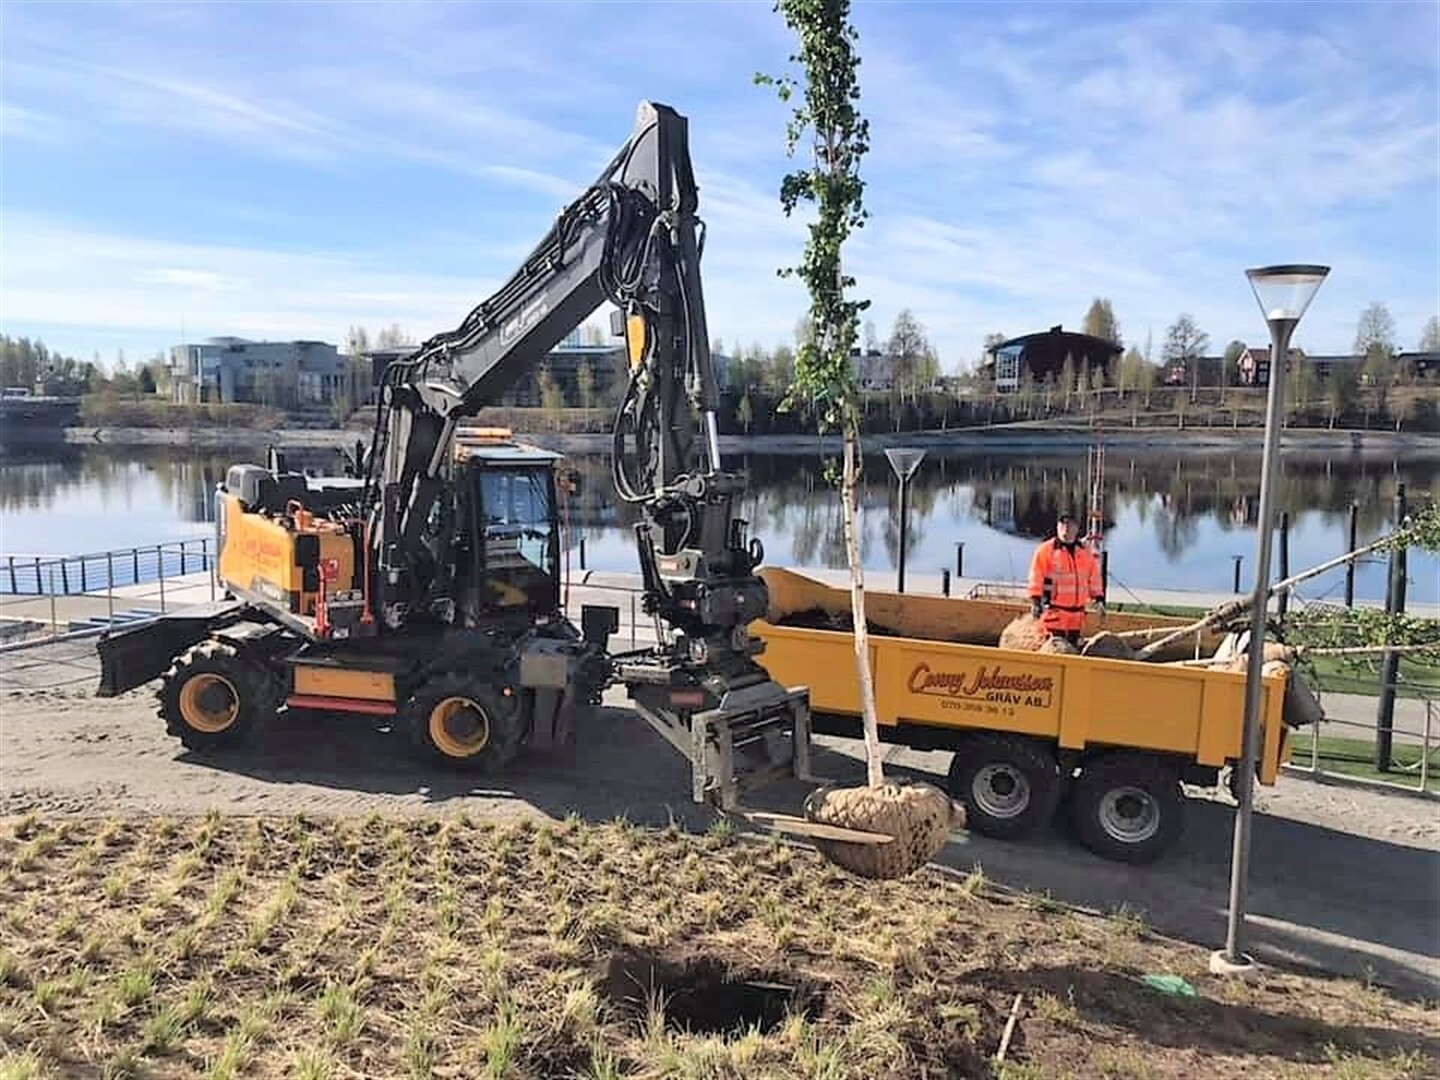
x=133 y=655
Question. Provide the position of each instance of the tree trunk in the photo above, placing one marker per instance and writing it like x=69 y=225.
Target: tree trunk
x=875 y=774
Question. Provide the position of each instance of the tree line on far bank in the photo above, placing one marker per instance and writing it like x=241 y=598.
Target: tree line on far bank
x=902 y=385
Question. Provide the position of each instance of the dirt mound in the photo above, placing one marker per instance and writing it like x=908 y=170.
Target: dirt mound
x=844 y=621
x=919 y=817
x=1108 y=646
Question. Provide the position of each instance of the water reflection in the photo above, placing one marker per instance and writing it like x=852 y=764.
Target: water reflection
x=1176 y=517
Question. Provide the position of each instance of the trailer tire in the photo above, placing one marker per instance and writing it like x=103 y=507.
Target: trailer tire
x=463 y=721
x=212 y=696
x=1128 y=807
x=1010 y=785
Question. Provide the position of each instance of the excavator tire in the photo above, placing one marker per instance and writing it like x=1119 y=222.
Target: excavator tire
x=463 y=721
x=213 y=697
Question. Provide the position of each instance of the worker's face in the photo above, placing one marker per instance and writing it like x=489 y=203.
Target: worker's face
x=1067 y=531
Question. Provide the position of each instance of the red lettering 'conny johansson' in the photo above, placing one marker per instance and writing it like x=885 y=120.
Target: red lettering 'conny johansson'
x=953 y=683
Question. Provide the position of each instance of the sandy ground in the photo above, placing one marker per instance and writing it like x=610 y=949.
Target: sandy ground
x=1344 y=880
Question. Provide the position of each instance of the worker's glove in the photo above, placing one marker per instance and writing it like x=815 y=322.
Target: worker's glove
x=1100 y=607
x=1035 y=608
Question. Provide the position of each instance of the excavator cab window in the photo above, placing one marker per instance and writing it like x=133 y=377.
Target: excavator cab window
x=518 y=536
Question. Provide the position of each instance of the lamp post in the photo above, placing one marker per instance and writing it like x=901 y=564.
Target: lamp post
x=904 y=460
x=1283 y=293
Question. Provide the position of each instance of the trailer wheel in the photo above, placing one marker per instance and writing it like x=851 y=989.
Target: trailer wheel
x=1128 y=807
x=213 y=697
x=461 y=720
x=1010 y=785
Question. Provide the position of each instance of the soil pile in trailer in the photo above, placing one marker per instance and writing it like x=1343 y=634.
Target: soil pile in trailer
x=816 y=618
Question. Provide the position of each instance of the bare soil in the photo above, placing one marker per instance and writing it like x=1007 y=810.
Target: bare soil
x=316 y=946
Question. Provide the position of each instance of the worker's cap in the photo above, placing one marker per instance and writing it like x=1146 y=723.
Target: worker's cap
x=1065 y=515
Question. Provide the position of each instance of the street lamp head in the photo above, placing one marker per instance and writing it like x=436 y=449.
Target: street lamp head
x=904 y=460
x=1284 y=292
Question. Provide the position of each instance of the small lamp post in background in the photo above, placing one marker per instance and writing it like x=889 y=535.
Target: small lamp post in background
x=904 y=460
x=1283 y=292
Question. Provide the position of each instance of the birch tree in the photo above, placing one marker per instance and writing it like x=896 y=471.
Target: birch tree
x=826 y=125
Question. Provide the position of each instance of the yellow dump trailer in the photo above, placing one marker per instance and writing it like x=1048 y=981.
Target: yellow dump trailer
x=1113 y=738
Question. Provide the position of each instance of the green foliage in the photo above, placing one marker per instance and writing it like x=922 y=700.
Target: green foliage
x=1185 y=342
x=27 y=363
x=585 y=385
x=1100 y=321
x=1430 y=336
x=1322 y=626
x=1375 y=331
x=827 y=116
x=1421 y=529
x=915 y=366
x=552 y=395
x=745 y=413
x=1233 y=352
x=1326 y=626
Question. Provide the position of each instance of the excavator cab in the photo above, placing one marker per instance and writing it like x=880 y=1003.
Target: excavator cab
x=509 y=532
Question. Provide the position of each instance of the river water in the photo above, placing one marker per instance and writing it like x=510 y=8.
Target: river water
x=1173 y=519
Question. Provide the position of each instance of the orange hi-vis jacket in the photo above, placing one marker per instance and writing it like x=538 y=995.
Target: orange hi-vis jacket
x=1066 y=578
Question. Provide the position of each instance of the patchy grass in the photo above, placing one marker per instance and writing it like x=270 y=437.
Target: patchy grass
x=1356 y=757
x=333 y=948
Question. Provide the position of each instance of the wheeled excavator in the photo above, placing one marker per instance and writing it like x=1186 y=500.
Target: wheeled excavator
x=424 y=586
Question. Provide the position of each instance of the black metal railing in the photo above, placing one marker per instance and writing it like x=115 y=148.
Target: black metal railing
x=76 y=575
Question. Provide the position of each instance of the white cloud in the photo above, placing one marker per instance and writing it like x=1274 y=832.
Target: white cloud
x=90 y=289
x=32 y=125
x=1019 y=167
x=204 y=280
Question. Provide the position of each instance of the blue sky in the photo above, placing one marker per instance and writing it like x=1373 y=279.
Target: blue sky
x=288 y=170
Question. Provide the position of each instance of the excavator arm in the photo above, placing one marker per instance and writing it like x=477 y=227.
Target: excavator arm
x=402 y=541
x=633 y=239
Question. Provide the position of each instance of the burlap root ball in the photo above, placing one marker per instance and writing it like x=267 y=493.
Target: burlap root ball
x=1059 y=646
x=1024 y=634
x=919 y=816
x=1275 y=651
x=1108 y=646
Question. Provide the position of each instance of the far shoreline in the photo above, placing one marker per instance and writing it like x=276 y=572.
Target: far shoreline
x=1017 y=437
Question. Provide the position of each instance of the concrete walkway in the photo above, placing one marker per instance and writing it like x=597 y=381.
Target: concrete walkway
x=637 y=630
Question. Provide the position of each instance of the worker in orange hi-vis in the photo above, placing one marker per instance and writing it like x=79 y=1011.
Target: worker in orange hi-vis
x=1064 y=577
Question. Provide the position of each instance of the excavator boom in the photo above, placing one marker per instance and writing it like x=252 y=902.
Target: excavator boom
x=424 y=585
x=633 y=239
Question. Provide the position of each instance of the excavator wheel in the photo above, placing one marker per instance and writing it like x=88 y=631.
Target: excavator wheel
x=213 y=697
x=464 y=721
